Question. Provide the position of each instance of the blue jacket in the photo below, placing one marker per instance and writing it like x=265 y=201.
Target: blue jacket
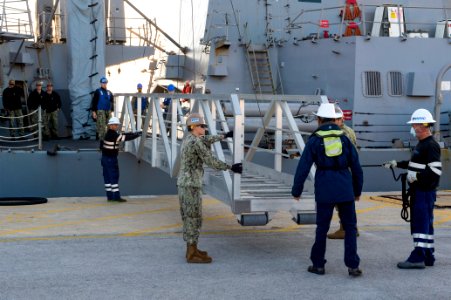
x=337 y=179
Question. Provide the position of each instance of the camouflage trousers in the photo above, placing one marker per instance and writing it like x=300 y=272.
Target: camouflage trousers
x=16 y=121
x=51 y=124
x=102 y=120
x=190 y=199
x=34 y=121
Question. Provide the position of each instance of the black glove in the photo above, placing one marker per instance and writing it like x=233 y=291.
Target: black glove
x=237 y=168
x=229 y=134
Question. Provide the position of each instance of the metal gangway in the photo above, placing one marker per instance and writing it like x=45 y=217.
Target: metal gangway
x=268 y=133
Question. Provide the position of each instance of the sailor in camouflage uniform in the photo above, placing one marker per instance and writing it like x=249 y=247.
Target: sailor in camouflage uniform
x=195 y=152
x=349 y=132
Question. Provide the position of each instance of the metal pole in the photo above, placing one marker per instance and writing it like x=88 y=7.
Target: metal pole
x=39 y=128
x=183 y=49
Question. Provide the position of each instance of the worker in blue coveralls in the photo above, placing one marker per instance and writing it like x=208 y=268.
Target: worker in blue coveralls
x=423 y=174
x=166 y=106
x=110 y=150
x=102 y=106
x=338 y=182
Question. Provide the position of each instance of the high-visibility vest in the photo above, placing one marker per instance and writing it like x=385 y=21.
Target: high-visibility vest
x=332 y=142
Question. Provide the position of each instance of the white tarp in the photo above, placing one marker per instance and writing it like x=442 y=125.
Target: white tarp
x=84 y=40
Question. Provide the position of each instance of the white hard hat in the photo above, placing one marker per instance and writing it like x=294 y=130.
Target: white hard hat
x=114 y=121
x=329 y=111
x=421 y=116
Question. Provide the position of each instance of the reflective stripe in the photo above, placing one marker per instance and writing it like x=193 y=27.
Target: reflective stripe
x=108 y=189
x=329 y=133
x=437 y=171
x=424 y=245
x=120 y=138
x=423 y=236
x=115 y=190
x=435 y=164
x=417 y=165
x=109 y=145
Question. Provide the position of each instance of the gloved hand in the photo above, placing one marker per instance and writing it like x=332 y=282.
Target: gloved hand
x=229 y=134
x=237 y=168
x=390 y=164
x=412 y=176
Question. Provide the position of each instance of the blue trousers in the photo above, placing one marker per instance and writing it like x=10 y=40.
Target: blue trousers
x=324 y=212
x=111 y=177
x=422 y=220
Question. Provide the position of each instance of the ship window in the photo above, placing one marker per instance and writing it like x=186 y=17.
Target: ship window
x=372 y=86
x=395 y=86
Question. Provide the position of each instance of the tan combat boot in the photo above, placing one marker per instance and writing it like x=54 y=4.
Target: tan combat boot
x=193 y=256
x=202 y=253
x=337 y=235
x=340 y=234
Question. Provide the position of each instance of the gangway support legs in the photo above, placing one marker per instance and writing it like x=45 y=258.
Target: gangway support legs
x=253 y=219
x=303 y=217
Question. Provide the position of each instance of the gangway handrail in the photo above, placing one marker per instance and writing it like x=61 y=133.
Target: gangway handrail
x=163 y=132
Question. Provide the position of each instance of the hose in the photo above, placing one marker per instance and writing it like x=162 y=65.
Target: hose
x=405 y=195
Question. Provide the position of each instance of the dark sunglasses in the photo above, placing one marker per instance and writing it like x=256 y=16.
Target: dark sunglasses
x=203 y=126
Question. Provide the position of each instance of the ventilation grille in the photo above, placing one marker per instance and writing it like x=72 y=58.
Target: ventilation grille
x=395 y=87
x=372 y=84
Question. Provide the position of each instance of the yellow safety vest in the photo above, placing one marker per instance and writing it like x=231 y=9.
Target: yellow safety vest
x=332 y=142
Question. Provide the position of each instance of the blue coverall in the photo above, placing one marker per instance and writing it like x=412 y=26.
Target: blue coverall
x=338 y=180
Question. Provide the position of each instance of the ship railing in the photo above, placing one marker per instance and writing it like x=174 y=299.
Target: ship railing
x=15 y=20
x=409 y=22
x=280 y=120
x=14 y=136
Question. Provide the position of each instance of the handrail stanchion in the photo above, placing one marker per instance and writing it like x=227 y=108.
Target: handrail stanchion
x=39 y=128
x=154 y=101
x=174 y=114
x=238 y=142
x=278 y=139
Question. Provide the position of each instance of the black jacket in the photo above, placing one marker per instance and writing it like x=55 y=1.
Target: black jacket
x=112 y=139
x=35 y=99
x=11 y=98
x=51 y=102
x=424 y=156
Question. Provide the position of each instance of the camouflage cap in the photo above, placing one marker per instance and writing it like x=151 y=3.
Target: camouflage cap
x=195 y=119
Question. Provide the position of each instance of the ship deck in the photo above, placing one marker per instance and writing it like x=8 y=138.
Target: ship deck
x=87 y=248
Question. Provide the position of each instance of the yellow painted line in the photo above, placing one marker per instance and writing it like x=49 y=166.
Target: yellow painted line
x=208 y=202
x=373 y=208
x=40 y=214
x=61 y=224
x=294 y=228
x=385 y=200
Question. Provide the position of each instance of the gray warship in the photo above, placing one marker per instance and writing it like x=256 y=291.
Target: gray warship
x=260 y=67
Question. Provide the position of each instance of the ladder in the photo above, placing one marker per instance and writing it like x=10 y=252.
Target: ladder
x=260 y=70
